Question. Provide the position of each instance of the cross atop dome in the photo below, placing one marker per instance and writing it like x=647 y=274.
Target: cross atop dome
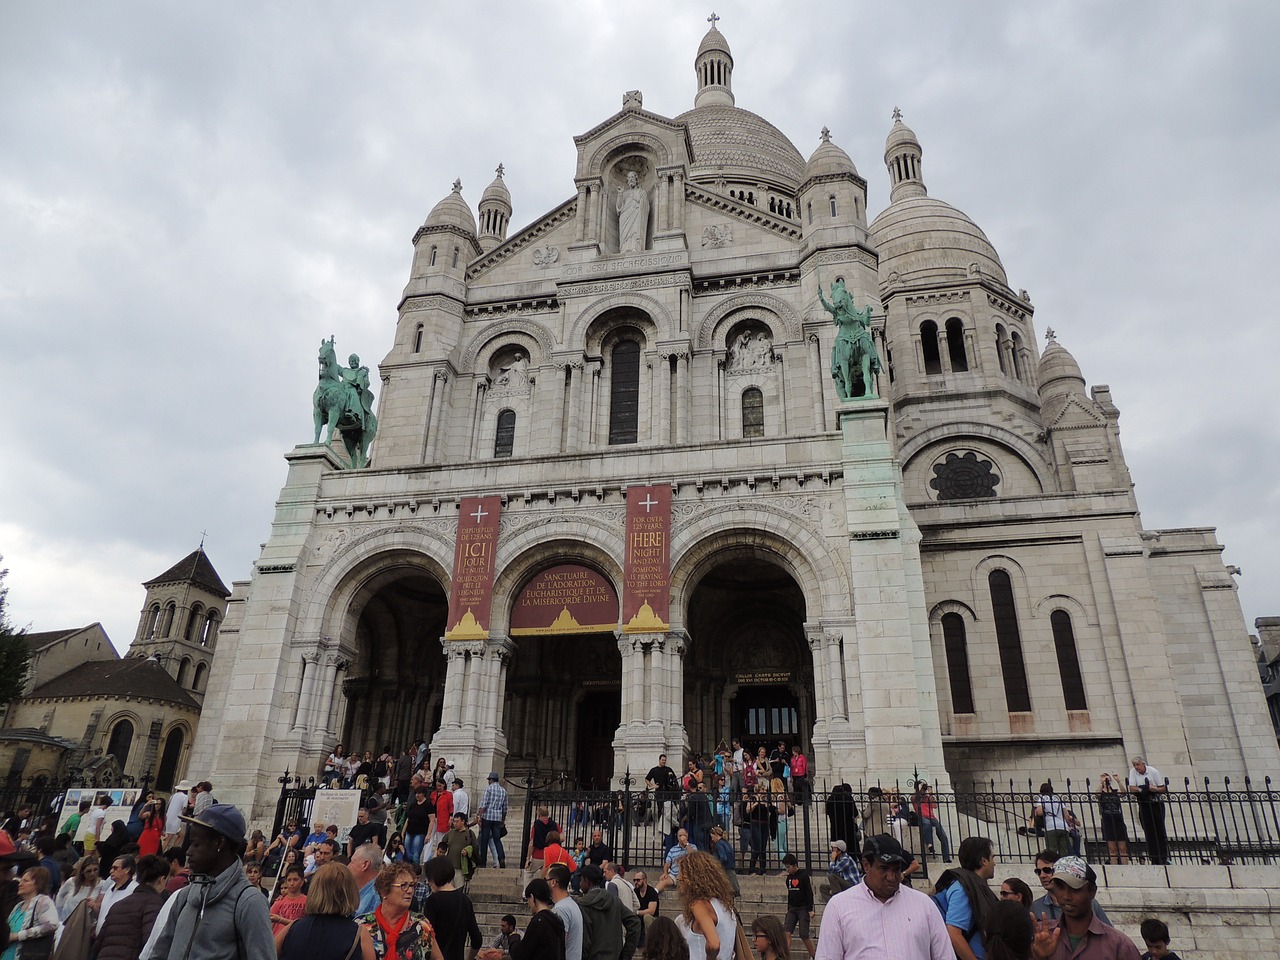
x=1050 y=336
x=897 y=114
x=712 y=19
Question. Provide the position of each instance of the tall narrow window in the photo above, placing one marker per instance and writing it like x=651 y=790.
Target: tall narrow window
x=1000 y=348
x=169 y=759
x=624 y=392
x=210 y=629
x=193 y=623
x=1015 y=350
x=197 y=681
x=955 y=345
x=752 y=413
x=929 y=348
x=833 y=204
x=1009 y=642
x=888 y=356
x=1064 y=641
x=505 y=439
x=433 y=257
x=153 y=619
x=120 y=742
x=417 y=339
x=166 y=625
x=455 y=256
x=957 y=647
x=811 y=211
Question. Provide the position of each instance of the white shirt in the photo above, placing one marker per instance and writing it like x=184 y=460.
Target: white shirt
x=112 y=896
x=626 y=893
x=569 y=912
x=857 y=925
x=1054 y=818
x=462 y=801
x=726 y=930
x=1152 y=777
x=173 y=815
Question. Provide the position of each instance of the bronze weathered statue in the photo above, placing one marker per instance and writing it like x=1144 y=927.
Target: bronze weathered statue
x=343 y=400
x=854 y=352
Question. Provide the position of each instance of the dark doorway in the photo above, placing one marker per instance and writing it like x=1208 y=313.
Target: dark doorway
x=169 y=760
x=762 y=716
x=599 y=714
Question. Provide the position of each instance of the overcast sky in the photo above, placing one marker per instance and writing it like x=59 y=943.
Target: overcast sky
x=191 y=196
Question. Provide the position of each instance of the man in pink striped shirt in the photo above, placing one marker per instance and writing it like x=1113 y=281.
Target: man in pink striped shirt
x=880 y=919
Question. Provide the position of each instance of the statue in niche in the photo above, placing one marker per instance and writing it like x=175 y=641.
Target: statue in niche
x=632 y=204
x=855 y=352
x=516 y=375
x=751 y=350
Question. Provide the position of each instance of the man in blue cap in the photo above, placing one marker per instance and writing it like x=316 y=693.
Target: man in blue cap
x=218 y=916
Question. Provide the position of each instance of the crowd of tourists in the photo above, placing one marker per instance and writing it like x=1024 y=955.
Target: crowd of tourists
x=186 y=880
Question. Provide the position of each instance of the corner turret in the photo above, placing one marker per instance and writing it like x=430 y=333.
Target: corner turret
x=495 y=212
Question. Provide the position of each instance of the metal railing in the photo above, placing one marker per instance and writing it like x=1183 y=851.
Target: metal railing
x=1227 y=824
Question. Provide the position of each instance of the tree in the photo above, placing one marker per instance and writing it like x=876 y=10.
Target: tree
x=15 y=656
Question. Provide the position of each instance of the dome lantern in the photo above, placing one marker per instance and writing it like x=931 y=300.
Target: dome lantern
x=902 y=155
x=495 y=212
x=714 y=68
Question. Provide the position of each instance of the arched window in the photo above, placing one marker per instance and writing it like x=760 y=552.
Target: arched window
x=929 y=348
x=120 y=742
x=153 y=620
x=624 y=392
x=752 y=413
x=1000 y=348
x=183 y=666
x=192 y=630
x=432 y=262
x=197 y=682
x=957 y=647
x=169 y=758
x=955 y=345
x=1015 y=348
x=166 y=625
x=455 y=256
x=811 y=211
x=417 y=338
x=832 y=199
x=505 y=438
x=888 y=355
x=1064 y=641
x=1009 y=642
x=210 y=633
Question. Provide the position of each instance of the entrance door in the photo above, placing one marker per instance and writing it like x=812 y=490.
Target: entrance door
x=762 y=716
x=599 y=714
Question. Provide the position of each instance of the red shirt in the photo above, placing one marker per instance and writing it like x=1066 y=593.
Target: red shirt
x=444 y=810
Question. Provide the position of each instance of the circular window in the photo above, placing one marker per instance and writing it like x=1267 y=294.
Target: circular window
x=964 y=476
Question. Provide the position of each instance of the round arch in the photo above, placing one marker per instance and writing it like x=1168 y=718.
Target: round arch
x=528 y=333
x=1033 y=458
x=761 y=306
x=656 y=324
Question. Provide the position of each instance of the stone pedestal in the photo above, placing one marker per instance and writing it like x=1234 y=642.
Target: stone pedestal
x=900 y=730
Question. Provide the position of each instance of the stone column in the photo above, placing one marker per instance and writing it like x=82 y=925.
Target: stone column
x=436 y=418
x=817 y=382
x=455 y=665
x=682 y=396
x=582 y=212
x=652 y=700
x=662 y=222
x=332 y=664
x=679 y=199
x=306 y=692
x=663 y=393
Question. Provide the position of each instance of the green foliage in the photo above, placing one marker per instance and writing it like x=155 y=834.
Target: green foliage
x=15 y=657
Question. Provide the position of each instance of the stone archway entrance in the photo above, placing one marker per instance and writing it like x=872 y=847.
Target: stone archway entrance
x=395 y=686
x=564 y=682
x=748 y=673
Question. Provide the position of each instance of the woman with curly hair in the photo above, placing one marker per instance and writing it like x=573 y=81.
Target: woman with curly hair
x=398 y=934
x=708 y=922
x=771 y=941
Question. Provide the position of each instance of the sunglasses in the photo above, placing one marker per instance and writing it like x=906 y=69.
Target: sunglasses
x=1013 y=894
x=1044 y=871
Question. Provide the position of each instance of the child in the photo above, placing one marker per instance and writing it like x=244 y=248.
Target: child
x=1155 y=934
x=579 y=858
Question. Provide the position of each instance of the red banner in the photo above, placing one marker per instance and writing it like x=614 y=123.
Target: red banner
x=565 y=599
x=646 y=578
x=471 y=592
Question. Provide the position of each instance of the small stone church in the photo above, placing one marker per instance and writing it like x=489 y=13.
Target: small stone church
x=89 y=713
x=617 y=508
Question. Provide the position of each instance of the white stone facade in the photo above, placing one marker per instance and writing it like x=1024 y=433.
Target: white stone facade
x=952 y=580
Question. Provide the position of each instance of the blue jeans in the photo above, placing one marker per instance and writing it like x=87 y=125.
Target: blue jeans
x=413 y=846
x=930 y=825
x=489 y=834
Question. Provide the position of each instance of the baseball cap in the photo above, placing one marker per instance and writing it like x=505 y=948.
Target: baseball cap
x=840 y=845
x=1074 y=872
x=885 y=849
x=222 y=818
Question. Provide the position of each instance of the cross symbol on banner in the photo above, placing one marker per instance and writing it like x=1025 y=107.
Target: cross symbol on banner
x=648 y=502
x=480 y=514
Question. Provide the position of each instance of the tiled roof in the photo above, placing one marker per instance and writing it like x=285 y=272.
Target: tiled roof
x=196 y=568
x=140 y=677
x=37 y=641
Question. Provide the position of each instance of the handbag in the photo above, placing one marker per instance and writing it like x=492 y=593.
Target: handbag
x=741 y=945
x=35 y=948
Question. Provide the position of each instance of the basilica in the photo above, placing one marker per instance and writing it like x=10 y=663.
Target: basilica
x=617 y=507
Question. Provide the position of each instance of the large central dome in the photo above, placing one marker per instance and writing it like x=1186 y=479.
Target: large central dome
x=738 y=144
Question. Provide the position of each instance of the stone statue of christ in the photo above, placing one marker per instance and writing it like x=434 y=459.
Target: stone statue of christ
x=633 y=215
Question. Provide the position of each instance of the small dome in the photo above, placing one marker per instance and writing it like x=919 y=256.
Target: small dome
x=899 y=135
x=732 y=142
x=925 y=239
x=1058 y=372
x=497 y=190
x=714 y=40
x=828 y=159
x=452 y=211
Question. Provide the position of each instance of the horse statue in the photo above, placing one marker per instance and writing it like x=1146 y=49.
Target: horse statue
x=855 y=351
x=343 y=401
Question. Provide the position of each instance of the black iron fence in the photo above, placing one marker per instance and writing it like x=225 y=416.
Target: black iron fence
x=44 y=794
x=1202 y=824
